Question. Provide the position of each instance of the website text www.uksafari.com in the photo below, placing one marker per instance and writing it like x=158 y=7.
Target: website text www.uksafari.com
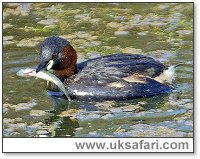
x=139 y=145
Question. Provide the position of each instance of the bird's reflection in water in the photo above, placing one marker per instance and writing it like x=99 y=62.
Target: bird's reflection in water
x=63 y=122
x=61 y=126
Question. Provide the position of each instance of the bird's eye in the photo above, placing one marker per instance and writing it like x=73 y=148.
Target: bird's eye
x=55 y=55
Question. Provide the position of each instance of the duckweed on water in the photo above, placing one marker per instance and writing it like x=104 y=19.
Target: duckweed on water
x=131 y=50
x=70 y=112
x=133 y=108
x=49 y=21
x=7 y=25
x=37 y=113
x=144 y=130
x=21 y=106
x=32 y=42
x=121 y=33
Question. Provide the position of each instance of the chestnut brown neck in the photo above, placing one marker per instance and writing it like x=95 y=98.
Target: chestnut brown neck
x=68 y=62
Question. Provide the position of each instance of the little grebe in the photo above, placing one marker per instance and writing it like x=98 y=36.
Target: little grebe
x=112 y=77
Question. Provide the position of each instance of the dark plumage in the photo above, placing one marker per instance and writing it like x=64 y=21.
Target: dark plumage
x=113 y=77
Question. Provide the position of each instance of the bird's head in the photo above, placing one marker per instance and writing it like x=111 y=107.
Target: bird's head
x=57 y=54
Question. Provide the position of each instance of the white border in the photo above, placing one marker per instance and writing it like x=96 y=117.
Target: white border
x=69 y=144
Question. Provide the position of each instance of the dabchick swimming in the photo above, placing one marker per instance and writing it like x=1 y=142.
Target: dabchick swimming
x=112 y=77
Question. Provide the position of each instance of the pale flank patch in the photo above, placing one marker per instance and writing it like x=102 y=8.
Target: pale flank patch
x=167 y=76
x=81 y=93
x=151 y=71
x=134 y=79
x=116 y=85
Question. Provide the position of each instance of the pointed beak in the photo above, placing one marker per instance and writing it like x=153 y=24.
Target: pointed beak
x=45 y=65
x=41 y=66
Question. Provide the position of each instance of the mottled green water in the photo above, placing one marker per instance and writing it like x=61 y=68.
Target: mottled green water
x=160 y=30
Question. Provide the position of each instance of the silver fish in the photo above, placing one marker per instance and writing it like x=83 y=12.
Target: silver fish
x=45 y=75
